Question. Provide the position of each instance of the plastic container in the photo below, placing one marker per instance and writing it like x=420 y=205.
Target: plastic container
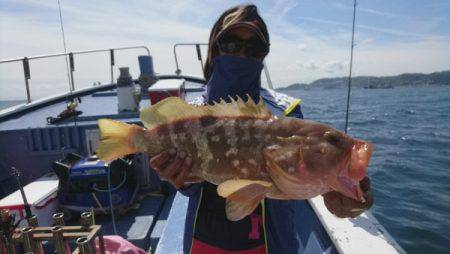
x=166 y=88
x=126 y=91
x=42 y=197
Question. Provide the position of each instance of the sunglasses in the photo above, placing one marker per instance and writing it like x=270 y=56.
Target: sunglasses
x=253 y=47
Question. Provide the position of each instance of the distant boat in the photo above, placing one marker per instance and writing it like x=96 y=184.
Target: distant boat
x=379 y=87
x=373 y=86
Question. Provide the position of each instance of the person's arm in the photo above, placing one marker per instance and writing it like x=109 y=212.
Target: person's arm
x=345 y=207
x=174 y=167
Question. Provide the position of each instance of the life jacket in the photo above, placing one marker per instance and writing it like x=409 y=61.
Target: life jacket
x=215 y=234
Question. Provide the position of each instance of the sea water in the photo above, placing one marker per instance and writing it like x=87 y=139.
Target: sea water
x=410 y=166
x=7 y=104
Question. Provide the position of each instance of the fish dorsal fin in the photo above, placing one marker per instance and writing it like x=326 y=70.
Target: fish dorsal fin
x=174 y=109
x=167 y=110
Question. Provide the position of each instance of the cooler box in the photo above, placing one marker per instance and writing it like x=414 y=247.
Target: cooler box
x=41 y=195
x=166 y=88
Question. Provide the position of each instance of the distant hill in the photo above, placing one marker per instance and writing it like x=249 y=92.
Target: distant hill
x=372 y=82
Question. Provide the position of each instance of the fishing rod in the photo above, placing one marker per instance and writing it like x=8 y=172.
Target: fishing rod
x=71 y=104
x=32 y=220
x=71 y=86
x=351 y=65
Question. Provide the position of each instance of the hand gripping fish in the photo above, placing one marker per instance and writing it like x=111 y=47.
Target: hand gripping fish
x=245 y=150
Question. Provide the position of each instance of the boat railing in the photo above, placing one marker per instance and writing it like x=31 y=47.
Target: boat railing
x=199 y=57
x=26 y=63
x=197 y=48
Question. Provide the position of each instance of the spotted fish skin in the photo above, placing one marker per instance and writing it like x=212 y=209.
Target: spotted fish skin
x=221 y=148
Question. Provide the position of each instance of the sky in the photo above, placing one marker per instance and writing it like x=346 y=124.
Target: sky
x=310 y=39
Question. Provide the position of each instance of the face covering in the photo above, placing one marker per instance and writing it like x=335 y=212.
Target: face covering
x=235 y=76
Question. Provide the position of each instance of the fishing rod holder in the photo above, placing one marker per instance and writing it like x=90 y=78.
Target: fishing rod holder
x=33 y=221
x=58 y=219
x=84 y=236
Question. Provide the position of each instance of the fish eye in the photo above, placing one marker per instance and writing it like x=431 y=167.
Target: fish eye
x=332 y=137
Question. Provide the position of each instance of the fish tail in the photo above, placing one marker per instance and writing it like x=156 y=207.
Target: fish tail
x=118 y=139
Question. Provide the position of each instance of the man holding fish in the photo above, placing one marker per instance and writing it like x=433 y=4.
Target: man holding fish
x=243 y=168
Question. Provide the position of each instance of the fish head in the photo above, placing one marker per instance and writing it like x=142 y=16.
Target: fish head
x=338 y=159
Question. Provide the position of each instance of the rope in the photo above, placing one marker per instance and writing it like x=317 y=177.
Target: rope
x=113 y=219
x=351 y=65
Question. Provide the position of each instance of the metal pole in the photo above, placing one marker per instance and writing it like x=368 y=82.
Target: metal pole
x=86 y=220
x=29 y=244
x=84 y=247
x=69 y=74
x=199 y=56
x=75 y=53
x=58 y=219
x=177 y=71
x=111 y=53
x=266 y=71
x=61 y=246
x=72 y=69
x=33 y=221
x=26 y=73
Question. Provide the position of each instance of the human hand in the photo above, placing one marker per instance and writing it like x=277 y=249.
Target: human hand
x=174 y=166
x=344 y=207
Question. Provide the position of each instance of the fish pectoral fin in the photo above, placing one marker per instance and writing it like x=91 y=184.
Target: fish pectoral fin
x=281 y=164
x=242 y=189
x=243 y=196
x=238 y=209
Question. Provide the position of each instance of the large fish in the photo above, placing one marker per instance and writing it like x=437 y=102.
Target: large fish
x=245 y=150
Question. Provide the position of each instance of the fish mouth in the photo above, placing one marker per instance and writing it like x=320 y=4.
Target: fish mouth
x=350 y=188
x=348 y=180
x=359 y=160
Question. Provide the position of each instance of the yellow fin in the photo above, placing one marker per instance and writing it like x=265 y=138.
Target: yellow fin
x=173 y=109
x=243 y=196
x=238 y=209
x=241 y=188
x=116 y=139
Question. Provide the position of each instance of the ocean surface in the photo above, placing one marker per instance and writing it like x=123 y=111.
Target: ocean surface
x=7 y=104
x=410 y=167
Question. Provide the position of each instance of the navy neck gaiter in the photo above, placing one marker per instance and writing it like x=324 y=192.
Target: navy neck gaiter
x=235 y=76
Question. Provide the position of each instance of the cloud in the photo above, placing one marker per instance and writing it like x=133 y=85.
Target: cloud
x=299 y=53
x=310 y=65
x=332 y=67
x=301 y=46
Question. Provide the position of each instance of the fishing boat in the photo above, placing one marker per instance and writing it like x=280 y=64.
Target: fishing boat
x=52 y=139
